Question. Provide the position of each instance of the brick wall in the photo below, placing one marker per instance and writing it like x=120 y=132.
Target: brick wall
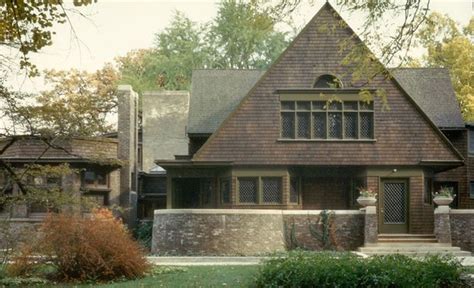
x=248 y=232
x=462 y=229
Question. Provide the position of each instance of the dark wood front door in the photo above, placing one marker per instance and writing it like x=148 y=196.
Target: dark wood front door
x=393 y=206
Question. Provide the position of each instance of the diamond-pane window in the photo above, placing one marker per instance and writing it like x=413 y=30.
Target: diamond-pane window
x=335 y=105
x=304 y=125
x=350 y=105
x=287 y=105
x=271 y=189
x=303 y=105
x=366 y=125
x=288 y=125
x=335 y=125
x=248 y=190
x=319 y=125
x=366 y=105
x=294 y=190
x=319 y=105
x=350 y=125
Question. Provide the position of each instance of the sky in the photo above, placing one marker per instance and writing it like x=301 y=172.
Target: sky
x=111 y=28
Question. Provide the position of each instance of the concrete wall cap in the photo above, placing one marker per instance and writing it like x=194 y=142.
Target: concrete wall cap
x=254 y=211
x=461 y=211
x=165 y=92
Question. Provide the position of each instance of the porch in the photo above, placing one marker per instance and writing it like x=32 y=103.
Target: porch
x=404 y=193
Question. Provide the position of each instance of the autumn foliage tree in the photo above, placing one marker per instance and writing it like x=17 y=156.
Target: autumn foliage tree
x=450 y=46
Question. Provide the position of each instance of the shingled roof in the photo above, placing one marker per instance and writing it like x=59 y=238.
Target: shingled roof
x=215 y=94
x=432 y=90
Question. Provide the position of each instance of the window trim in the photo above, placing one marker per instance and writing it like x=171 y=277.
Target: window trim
x=326 y=111
x=259 y=190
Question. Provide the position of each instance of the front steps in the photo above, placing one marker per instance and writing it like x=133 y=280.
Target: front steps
x=410 y=245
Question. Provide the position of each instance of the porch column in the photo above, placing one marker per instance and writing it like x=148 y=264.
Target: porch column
x=442 y=224
x=370 y=225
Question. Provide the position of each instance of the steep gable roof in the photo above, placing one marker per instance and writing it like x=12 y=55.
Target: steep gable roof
x=215 y=94
x=250 y=135
x=432 y=90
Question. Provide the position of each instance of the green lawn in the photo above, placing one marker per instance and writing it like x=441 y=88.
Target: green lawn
x=193 y=276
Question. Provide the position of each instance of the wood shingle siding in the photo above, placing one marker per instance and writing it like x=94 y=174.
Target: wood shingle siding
x=249 y=136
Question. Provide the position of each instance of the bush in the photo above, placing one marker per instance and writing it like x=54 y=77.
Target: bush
x=98 y=248
x=144 y=232
x=312 y=269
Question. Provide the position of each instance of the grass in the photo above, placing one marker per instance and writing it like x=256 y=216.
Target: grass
x=191 y=276
x=470 y=269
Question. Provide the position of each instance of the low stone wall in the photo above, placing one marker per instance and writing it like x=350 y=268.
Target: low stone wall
x=462 y=228
x=305 y=228
x=251 y=232
x=17 y=230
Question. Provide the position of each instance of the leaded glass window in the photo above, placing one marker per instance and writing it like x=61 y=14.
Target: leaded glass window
x=225 y=190
x=248 y=189
x=320 y=120
x=271 y=187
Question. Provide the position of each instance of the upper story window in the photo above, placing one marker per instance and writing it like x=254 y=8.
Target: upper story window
x=322 y=120
x=327 y=81
x=471 y=141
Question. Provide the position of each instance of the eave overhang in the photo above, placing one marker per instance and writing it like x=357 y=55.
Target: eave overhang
x=191 y=164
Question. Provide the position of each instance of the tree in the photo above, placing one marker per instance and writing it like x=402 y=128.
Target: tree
x=239 y=37
x=449 y=46
x=28 y=26
x=77 y=104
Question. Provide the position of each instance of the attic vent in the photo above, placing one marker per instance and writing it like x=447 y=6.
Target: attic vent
x=327 y=81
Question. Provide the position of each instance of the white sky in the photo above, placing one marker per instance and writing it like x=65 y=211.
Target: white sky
x=113 y=28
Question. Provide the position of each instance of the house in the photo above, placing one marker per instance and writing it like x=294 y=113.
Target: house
x=299 y=136
x=94 y=172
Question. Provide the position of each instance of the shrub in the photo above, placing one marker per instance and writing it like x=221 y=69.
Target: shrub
x=144 y=232
x=311 y=269
x=98 y=248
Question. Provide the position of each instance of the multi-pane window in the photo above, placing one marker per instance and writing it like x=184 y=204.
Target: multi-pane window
x=471 y=190
x=225 y=190
x=92 y=178
x=271 y=188
x=294 y=190
x=327 y=120
x=260 y=190
x=248 y=190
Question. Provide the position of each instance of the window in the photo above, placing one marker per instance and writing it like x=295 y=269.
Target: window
x=327 y=81
x=271 y=187
x=320 y=120
x=428 y=195
x=248 y=190
x=260 y=190
x=471 y=141
x=95 y=179
x=294 y=190
x=225 y=191
x=471 y=190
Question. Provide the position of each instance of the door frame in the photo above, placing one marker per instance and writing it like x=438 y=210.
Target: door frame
x=393 y=228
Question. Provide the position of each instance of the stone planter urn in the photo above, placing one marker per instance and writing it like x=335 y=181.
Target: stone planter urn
x=442 y=200
x=366 y=201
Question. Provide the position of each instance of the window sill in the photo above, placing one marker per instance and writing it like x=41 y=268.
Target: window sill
x=95 y=189
x=329 y=140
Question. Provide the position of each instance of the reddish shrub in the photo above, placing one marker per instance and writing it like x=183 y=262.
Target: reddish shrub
x=96 y=248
